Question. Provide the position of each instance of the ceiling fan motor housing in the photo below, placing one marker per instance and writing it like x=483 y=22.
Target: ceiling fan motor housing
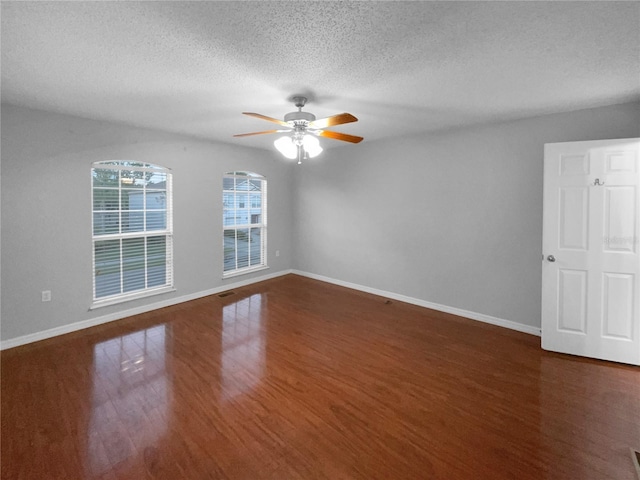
x=297 y=116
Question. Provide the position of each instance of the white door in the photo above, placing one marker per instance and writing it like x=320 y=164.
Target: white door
x=591 y=243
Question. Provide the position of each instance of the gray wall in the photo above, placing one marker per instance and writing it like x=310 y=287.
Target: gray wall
x=46 y=217
x=453 y=218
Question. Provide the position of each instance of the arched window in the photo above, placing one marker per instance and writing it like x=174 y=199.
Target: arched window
x=132 y=231
x=244 y=222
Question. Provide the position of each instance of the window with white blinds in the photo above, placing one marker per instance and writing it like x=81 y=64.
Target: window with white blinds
x=244 y=219
x=132 y=231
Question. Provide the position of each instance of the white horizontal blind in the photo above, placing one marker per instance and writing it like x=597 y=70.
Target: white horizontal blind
x=244 y=222
x=132 y=229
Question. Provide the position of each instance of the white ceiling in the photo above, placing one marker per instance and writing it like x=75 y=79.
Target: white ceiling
x=400 y=67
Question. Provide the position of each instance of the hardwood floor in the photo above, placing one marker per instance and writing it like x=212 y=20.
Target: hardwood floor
x=297 y=379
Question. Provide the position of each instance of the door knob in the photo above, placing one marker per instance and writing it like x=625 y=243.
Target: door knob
x=551 y=258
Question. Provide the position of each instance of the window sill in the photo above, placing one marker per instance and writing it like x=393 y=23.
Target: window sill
x=244 y=271
x=130 y=297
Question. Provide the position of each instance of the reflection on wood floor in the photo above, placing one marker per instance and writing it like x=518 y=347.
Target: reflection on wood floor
x=298 y=379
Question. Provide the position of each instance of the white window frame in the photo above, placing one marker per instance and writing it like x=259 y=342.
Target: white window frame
x=167 y=232
x=262 y=225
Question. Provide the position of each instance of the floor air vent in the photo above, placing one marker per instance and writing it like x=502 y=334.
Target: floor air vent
x=635 y=457
x=226 y=294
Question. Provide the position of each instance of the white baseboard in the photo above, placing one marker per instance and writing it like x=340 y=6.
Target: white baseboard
x=73 y=327
x=481 y=317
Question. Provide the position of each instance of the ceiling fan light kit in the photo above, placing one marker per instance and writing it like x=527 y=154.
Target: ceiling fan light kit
x=303 y=129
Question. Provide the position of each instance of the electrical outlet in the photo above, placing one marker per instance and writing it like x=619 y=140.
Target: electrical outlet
x=46 y=295
x=277 y=253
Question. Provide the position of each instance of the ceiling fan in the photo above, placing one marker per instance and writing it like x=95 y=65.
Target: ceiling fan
x=304 y=128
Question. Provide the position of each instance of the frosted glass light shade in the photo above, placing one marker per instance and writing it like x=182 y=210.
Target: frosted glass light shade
x=286 y=147
x=311 y=146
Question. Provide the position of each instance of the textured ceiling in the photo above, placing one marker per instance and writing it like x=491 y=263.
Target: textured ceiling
x=400 y=67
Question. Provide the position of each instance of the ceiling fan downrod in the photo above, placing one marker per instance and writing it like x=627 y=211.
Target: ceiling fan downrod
x=299 y=117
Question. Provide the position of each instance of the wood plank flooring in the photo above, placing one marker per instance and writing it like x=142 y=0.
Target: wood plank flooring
x=298 y=379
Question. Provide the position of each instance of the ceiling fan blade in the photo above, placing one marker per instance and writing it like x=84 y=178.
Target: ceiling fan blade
x=259 y=133
x=339 y=136
x=268 y=119
x=339 y=119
